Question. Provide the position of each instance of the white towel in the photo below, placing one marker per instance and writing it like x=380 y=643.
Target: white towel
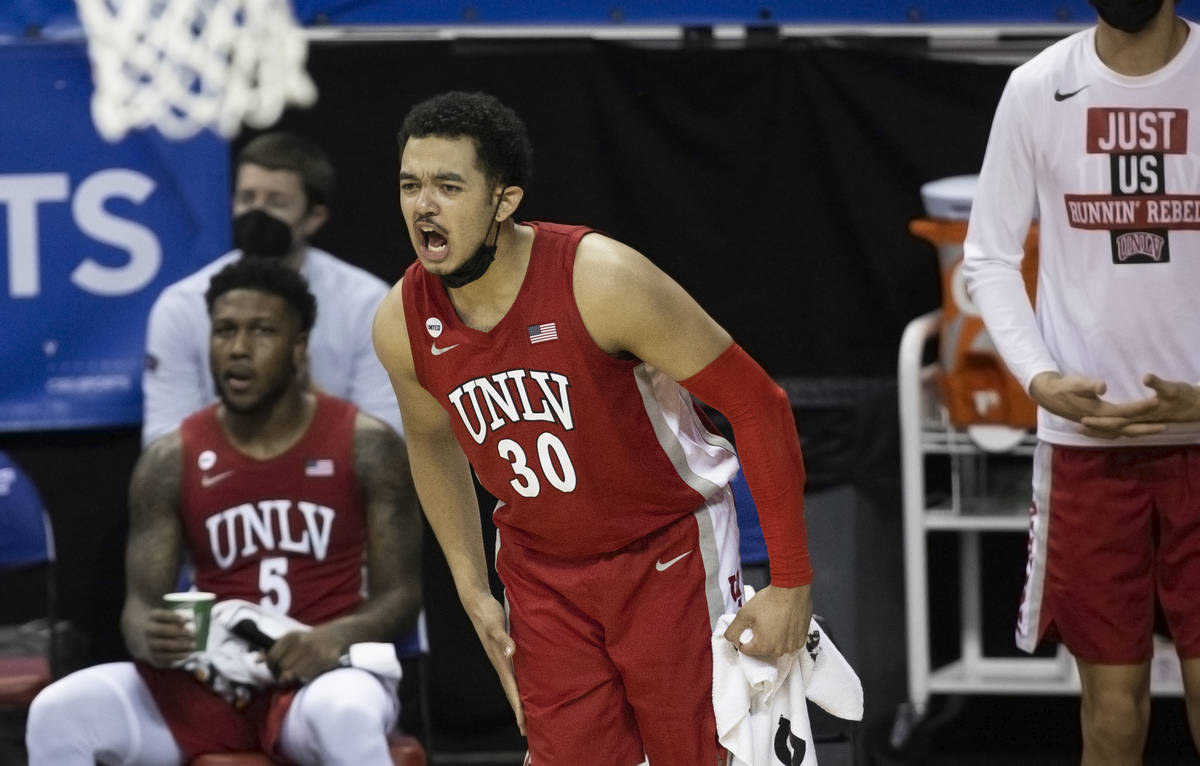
x=233 y=668
x=760 y=706
x=230 y=655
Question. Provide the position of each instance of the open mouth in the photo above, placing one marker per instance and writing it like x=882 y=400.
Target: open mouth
x=433 y=241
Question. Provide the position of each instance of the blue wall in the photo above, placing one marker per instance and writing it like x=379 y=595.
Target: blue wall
x=18 y=17
x=596 y=12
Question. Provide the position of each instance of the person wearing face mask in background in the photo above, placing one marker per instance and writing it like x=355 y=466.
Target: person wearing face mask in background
x=1097 y=134
x=281 y=198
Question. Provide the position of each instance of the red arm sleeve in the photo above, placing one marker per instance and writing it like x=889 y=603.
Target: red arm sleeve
x=769 y=448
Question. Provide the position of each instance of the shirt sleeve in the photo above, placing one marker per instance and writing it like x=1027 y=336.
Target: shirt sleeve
x=370 y=387
x=995 y=246
x=173 y=379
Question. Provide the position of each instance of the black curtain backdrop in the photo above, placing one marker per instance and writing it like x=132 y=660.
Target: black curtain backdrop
x=774 y=183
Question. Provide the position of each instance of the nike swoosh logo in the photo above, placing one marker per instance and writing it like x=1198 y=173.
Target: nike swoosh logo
x=663 y=566
x=439 y=351
x=1060 y=96
x=208 y=481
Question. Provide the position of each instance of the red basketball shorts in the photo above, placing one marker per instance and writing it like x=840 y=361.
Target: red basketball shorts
x=1110 y=531
x=203 y=722
x=614 y=653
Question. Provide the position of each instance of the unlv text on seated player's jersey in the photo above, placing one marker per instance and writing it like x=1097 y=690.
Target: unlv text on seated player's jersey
x=289 y=532
x=585 y=451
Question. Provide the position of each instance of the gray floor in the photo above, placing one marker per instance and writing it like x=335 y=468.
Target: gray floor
x=1042 y=731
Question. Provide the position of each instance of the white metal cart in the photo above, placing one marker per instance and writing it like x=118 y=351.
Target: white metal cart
x=926 y=431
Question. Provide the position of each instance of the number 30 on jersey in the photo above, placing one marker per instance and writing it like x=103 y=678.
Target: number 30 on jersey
x=553 y=461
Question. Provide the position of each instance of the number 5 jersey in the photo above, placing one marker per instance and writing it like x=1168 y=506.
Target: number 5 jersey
x=289 y=532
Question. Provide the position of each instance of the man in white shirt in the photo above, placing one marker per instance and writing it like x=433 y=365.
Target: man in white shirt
x=1096 y=134
x=281 y=199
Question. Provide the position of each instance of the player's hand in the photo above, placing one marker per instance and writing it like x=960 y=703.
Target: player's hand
x=168 y=640
x=1174 y=401
x=778 y=618
x=302 y=655
x=487 y=615
x=1076 y=398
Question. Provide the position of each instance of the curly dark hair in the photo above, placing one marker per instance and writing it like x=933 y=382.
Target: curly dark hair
x=269 y=276
x=287 y=151
x=501 y=141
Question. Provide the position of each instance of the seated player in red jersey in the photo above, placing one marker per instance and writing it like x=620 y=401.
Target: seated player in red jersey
x=279 y=496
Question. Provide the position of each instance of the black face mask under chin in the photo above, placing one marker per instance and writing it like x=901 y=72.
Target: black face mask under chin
x=260 y=234
x=1130 y=16
x=477 y=265
x=474 y=267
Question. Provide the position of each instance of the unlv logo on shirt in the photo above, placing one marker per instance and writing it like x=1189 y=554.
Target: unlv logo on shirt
x=515 y=396
x=268 y=526
x=535 y=400
x=1138 y=214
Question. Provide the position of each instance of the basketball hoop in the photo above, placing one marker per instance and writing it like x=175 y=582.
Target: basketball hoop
x=186 y=65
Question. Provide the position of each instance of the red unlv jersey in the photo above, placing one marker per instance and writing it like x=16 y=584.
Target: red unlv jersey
x=585 y=451
x=289 y=532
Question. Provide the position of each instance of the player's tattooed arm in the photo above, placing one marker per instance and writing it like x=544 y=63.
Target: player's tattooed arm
x=152 y=554
x=393 y=561
x=393 y=527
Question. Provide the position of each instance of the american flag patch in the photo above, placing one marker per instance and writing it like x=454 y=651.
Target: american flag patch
x=540 y=333
x=319 y=467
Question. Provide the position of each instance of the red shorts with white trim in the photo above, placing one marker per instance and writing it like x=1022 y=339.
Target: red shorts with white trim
x=1111 y=530
x=203 y=722
x=614 y=652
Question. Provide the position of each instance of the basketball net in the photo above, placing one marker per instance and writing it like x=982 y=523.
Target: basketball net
x=186 y=65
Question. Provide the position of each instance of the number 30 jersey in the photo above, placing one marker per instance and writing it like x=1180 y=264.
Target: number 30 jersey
x=289 y=532
x=586 y=452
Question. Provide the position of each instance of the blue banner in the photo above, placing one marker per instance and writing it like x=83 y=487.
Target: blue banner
x=21 y=18
x=690 y=12
x=90 y=233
